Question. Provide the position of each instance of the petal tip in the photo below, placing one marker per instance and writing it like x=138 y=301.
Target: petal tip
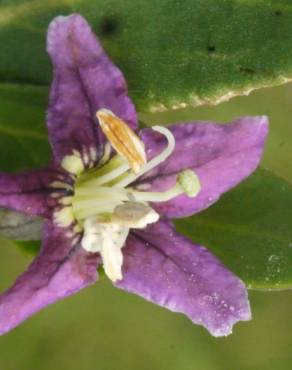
x=243 y=313
x=61 y=26
x=227 y=329
x=259 y=125
x=262 y=122
x=61 y=19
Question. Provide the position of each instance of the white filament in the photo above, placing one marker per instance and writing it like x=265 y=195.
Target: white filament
x=154 y=162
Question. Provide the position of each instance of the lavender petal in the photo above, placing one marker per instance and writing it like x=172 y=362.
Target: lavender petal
x=59 y=271
x=169 y=270
x=30 y=192
x=221 y=155
x=85 y=80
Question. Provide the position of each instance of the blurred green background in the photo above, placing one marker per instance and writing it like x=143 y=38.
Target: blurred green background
x=106 y=329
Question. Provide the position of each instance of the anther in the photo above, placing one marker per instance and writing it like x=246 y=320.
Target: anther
x=189 y=182
x=123 y=139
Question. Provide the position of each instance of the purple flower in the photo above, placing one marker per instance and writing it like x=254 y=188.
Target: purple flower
x=108 y=194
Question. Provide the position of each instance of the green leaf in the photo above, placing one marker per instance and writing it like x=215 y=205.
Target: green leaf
x=253 y=220
x=172 y=52
x=274 y=103
x=24 y=141
x=30 y=248
x=250 y=231
x=249 y=228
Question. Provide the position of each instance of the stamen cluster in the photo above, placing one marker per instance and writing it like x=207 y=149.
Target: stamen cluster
x=105 y=204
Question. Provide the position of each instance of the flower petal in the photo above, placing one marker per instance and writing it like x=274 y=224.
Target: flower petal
x=221 y=155
x=85 y=80
x=29 y=192
x=56 y=273
x=167 y=269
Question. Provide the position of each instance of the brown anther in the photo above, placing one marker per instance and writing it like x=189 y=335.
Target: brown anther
x=123 y=139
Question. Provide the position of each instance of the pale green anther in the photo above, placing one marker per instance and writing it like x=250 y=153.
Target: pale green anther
x=189 y=182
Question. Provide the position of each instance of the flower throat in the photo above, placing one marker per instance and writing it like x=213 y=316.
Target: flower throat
x=105 y=204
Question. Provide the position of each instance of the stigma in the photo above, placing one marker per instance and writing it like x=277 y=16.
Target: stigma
x=107 y=234
x=106 y=205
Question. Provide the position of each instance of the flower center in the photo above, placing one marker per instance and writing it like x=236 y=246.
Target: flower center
x=105 y=204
